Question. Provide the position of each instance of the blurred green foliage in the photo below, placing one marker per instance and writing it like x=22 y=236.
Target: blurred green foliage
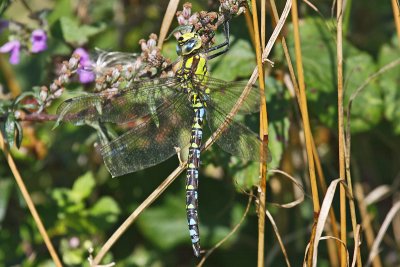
x=81 y=205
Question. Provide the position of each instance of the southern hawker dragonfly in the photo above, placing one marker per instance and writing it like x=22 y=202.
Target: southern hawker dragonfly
x=171 y=112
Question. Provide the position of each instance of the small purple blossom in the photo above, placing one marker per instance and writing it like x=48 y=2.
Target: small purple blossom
x=85 y=75
x=12 y=47
x=39 y=41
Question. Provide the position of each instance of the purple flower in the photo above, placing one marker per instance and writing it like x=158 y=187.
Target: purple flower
x=12 y=47
x=38 y=40
x=85 y=75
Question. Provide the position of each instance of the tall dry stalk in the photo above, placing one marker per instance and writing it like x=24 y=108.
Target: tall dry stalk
x=306 y=123
x=29 y=202
x=263 y=137
x=342 y=170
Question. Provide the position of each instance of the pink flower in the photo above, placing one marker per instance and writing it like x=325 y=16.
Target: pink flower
x=85 y=75
x=12 y=47
x=38 y=40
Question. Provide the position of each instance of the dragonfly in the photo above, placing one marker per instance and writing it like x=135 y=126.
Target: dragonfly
x=172 y=112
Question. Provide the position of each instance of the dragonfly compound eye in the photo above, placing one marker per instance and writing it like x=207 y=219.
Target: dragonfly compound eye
x=178 y=49
x=191 y=46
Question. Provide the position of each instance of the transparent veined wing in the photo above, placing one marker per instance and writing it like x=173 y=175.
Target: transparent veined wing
x=224 y=95
x=119 y=106
x=237 y=139
x=104 y=61
x=148 y=144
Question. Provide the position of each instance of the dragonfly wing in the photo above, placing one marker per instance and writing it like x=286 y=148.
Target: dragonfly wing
x=237 y=139
x=225 y=94
x=119 y=106
x=148 y=144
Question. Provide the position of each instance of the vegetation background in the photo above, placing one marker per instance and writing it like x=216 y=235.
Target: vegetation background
x=81 y=206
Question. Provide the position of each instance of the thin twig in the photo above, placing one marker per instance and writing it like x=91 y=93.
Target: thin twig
x=278 y=236
x=145 y=204
x=396 y=14
x=166 y=23
x=29 y=202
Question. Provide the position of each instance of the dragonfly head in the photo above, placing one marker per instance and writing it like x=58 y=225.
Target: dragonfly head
x=188 y=43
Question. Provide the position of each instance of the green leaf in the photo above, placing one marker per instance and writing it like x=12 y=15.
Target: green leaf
x=246 y=174
x=63 y=8
x=4 y=5
x=389 y=82
x=10 y=129
x=90 y=30
x=69 y=30
x=318 y=49
x=82 y=187
x=18 y=134
x=239 y=62
x=163 y=225
x=107 y=209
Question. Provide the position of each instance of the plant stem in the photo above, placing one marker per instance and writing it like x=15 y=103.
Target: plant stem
x=263 y=136
x=339 y=51
x=306 y=123
x=29 y=202
x=396 y=14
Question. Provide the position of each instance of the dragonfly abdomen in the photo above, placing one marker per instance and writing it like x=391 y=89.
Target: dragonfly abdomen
x=192 y=173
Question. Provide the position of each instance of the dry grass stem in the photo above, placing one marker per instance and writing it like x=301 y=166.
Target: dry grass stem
x=296 y=183
x=304 y=108
x=145 y=204
x=377 y=194
x=396 y=14
x=312 y=6
x=250 y=28
x=278 y=236
x=167 y=20
x=337 y=240
x=29 y=202
x=366 y=222
x=263 y=136
x=342 y=168
x=325 y=207
x=382 y=231
x=357 y=242
x=306 y=122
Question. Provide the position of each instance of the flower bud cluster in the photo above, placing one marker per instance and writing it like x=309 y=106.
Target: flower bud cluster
x=56 y=88
x=206 y=23
x=117 y=69
x=232 y=7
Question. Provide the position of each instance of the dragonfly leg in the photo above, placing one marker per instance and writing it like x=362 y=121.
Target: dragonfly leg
x=225 y=44
x=178 y=153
